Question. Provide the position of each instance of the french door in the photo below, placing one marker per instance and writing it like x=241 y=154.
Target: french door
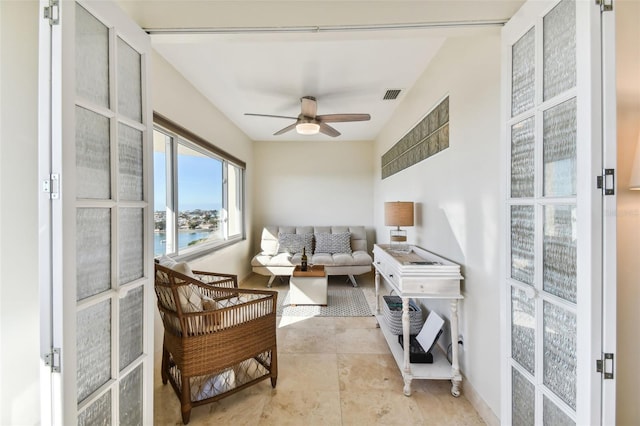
x=95 y=162
x=559 y=287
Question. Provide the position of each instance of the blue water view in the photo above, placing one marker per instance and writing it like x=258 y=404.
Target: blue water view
x=184 y=238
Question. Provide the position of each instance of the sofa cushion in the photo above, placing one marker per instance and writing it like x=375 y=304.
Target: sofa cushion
x=333 y=243
x=293 y=243
x=357 y=258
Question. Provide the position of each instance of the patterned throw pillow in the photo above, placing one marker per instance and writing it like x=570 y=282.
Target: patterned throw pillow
x=293 y=243
x=333 y=243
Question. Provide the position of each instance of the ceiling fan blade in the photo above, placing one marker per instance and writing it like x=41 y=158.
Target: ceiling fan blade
x=269 y=115
x=286 y=129
x=309 y=106
x=328 y=130
x=337 y=118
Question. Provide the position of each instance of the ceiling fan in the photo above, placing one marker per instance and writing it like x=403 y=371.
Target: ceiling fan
x=308 y=123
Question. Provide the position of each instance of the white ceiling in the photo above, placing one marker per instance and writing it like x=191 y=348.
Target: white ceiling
x=267 y=72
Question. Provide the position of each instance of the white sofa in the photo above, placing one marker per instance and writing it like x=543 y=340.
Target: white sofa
x=341 y=254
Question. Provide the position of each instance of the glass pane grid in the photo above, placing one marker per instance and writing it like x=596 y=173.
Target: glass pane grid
x=130 y=165
x=131 y=326
x=523 y=158
x=130 y=244
x=98 y=413
x=559 y=49
x=523 y=329
x=552 y=414
x=93 y=343
x=523 y=74
x=131 y=403
x=129 y=82
x=559 y=349
x=92 y=58
x=560 y=250
x=522 y=399
x=93 y=251
x=523 y=243
x=559 y=149
x=93 y=157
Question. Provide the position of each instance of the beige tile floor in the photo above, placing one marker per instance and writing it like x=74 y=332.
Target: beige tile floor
x=331 y=371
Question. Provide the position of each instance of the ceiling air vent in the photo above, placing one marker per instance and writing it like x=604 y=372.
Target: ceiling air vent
x=391 y=94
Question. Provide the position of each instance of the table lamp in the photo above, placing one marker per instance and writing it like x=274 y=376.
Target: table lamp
x=398 y=213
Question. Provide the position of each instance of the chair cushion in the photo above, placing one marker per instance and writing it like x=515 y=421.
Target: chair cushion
x=189 y=295
x=190 y=298
x=183 y=268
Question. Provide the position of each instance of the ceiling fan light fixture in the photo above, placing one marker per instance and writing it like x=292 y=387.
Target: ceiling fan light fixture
x=307 y=128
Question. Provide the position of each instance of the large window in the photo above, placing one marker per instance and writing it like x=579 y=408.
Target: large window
x=198 y=192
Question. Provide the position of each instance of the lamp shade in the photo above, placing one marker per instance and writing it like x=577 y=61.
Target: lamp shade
x=634 y=183
x=398 y=213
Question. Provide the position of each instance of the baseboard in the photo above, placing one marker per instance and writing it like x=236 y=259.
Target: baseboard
x=478 y=403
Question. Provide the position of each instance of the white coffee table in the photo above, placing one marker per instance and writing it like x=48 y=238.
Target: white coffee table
x=308 y=287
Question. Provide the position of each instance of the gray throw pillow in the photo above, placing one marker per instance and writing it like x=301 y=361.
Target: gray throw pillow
x=333 y=243
x=293 y=243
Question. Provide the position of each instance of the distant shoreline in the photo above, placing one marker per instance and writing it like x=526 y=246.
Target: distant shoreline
x=157 y=231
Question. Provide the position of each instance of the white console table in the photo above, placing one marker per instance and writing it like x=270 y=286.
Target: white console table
x=419 y=274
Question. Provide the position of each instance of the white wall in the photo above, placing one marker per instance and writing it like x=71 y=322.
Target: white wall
x=312 y=183
x=457 y=195
x=628 y=126
x=179 y=101
x=19 y=300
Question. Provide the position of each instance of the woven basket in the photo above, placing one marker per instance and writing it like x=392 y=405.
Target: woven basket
x=392 y=313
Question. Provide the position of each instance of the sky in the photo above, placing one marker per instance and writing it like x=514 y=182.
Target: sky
x=200 y=182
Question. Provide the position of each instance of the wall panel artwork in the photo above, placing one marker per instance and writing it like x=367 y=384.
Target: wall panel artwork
x=427 y=138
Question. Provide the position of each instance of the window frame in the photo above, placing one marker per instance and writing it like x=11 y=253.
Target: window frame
x=179 y=135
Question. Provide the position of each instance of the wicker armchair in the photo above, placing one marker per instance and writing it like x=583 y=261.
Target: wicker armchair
x=218 y=339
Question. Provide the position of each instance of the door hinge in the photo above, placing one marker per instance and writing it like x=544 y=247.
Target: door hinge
x=52 y=359
x=607 y=182
x=52 y=12
x=605 y=366
x=605 y=5
x=51 y=186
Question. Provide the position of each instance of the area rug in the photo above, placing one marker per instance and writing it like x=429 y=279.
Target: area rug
x=341 y=302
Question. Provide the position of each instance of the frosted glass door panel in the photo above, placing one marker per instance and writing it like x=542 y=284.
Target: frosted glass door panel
x=129 y=83
x=559 y=152
x=93 y=251
x=559 y=349
x=131 y=320
x=523 y=329
x=552 y=415
x=93 y=348
x=131 y=399
x=522 y=242
x=97 y=121
x=523 y=74
x=93 y=163
x=130 y=163
x=130 y=244
x=523 y=158
x=92 y=58
x=560 y=251
x=523 y=400
x=559 y=49
x=98 y=413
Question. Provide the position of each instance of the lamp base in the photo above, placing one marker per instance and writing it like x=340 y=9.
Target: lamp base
x=398 y=240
